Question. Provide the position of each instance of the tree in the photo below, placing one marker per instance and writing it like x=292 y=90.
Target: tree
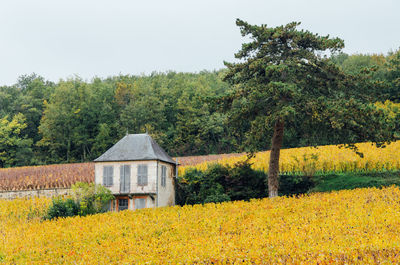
x=77 y=115
x=393 y=76
x=15 y=148
x=63 y=125
x=284 y=79
x=356 y=63
x=34 y=92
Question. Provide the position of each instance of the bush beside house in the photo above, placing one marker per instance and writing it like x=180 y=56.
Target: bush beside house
x=87 y=198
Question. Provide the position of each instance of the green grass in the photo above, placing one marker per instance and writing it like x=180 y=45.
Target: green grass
x=343 y=181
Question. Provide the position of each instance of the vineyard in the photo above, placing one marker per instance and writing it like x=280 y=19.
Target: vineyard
x=45 y=177
x=322 y=159
x=347 y=227
x=304 y=160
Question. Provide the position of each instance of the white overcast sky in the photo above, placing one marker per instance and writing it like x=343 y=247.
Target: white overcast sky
x=62 y=38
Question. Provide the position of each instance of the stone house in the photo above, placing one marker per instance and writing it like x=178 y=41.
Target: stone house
x=139 y=173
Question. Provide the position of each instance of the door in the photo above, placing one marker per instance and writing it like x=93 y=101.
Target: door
x=125 y=179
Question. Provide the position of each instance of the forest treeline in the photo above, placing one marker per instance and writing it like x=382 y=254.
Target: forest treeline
x=73 y=120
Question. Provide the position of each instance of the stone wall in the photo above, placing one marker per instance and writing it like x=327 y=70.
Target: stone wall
x=33 y=193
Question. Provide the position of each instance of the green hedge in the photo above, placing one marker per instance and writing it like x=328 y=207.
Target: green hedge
x=223 y=183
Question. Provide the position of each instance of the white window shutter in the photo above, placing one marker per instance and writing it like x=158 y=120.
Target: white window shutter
x=108 y=172
x=111 y=176
x=142 y=175
x=105 y=176
x=127 y=177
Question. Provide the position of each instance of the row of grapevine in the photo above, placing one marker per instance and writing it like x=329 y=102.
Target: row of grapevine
x=44 y=177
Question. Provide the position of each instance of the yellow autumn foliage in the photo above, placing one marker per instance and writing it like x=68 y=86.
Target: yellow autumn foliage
x=321 y=159
x=392 y=109
x=347 y=227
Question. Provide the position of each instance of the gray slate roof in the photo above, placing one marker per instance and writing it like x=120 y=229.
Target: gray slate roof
x=135 y=147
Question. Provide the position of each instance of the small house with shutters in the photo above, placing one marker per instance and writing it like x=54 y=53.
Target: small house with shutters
x=139 y=173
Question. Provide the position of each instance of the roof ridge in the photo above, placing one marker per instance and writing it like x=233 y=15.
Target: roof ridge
x=135 y=147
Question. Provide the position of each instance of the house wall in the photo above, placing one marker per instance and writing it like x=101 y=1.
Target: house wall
x=166 y=195
x=34 y=193
x=134 y=188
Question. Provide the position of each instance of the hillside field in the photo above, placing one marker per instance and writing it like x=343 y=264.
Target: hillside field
x=320 y=160
x=346 y=227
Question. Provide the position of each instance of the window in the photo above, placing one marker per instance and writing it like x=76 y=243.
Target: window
x=163 y=176
x=122 y=204
x=140 y=203
x=142 y=175
x=125 y=179
x=108 y=173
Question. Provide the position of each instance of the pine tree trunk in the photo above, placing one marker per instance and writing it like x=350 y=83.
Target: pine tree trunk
x=273 y=173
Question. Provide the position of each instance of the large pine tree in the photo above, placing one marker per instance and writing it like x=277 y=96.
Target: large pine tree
x=284 y=79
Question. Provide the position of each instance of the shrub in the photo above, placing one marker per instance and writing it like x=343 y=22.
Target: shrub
x=199 y=187
x=244 y=183
x=218 y=197
x=294 y=184
x=92 y=198
x=87 y=198
x=62 y=208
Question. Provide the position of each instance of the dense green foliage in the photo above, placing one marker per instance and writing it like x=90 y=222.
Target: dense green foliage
x=62 y=208
x=87 y=198
x=73 y=120
x=383 y=70
x=224 y=183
